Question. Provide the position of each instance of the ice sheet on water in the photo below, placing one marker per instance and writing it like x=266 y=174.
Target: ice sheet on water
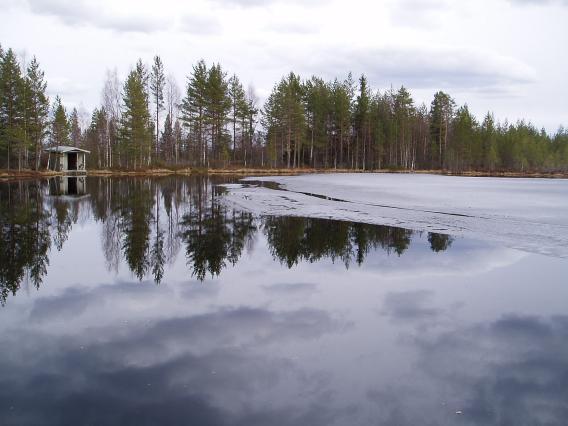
x=528 y=214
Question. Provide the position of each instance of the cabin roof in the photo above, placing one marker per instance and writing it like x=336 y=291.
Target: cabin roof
x=65 y=149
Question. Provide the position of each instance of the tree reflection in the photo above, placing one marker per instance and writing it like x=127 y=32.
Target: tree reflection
x=157 y=255
x=63 y=222
x=292 y=240
x=135 y=211
x=25 y=236
x=145 y=222
x=439 y=242
x=212 y=234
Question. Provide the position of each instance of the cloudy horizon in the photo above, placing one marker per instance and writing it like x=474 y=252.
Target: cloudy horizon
x=502 y=56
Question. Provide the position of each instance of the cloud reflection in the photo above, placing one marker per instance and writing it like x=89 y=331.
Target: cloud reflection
x=205 y=369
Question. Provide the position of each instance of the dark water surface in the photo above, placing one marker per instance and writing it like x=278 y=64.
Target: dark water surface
x=149 y=301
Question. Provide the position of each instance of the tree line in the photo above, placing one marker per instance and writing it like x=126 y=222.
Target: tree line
x=148 y=121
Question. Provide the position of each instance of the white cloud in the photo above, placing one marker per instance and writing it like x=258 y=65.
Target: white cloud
x=81 y=12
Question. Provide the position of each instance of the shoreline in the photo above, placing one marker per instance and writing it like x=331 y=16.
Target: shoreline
x=159 y=172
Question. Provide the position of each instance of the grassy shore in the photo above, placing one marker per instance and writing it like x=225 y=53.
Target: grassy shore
x=32 y=174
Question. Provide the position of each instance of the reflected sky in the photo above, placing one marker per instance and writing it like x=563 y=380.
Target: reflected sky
x=283 y=321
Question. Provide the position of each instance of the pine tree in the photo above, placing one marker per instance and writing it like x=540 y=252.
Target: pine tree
x=318 y=108
x=341 y=118
x=294 y=115
x=218 y=106
x=441 y=113
x=403 y=113
x=157 y=85
x=238 y=109
x=146 y=142
x=250 y=112
x=37 y=109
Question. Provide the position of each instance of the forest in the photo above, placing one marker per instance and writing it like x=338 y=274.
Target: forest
x=147 y=121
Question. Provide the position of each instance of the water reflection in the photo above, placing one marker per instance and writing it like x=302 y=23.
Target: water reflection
x=410 y=333
x=26 y=236
x=146 y=222
x=68 y=185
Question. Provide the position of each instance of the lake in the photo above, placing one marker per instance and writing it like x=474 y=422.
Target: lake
x=162 y=301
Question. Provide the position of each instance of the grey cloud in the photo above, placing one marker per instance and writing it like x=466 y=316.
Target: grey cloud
x=539 y=2
x=423 y=68
x=414 y=13
x=410 y=306
x=258 y=3
x=291 y=288
x=75 y=301
x=79 y=12
x=194 y=24
x=501 y=372
x=66 y=88
x=510 y=371
x=5 y=4
x=70 y=305
x=244 y=3
x=530 y=327
x=413 y=5
x=291 y=27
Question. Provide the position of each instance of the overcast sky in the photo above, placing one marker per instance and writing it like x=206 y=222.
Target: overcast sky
x=507 y=56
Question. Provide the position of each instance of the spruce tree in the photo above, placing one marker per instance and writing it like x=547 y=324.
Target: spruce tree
x=361 y=118
x=136 y=134
x=194 y=107
x=59 y=129
x=75 y=129
x=168 y=139
x=464 y=140
x=11 y=105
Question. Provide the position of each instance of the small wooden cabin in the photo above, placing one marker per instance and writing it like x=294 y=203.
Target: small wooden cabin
x=71 y=159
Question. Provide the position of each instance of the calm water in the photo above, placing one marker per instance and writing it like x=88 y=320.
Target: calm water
x=149 y=301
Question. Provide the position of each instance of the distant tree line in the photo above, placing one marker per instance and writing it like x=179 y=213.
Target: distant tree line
x=147 y=121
